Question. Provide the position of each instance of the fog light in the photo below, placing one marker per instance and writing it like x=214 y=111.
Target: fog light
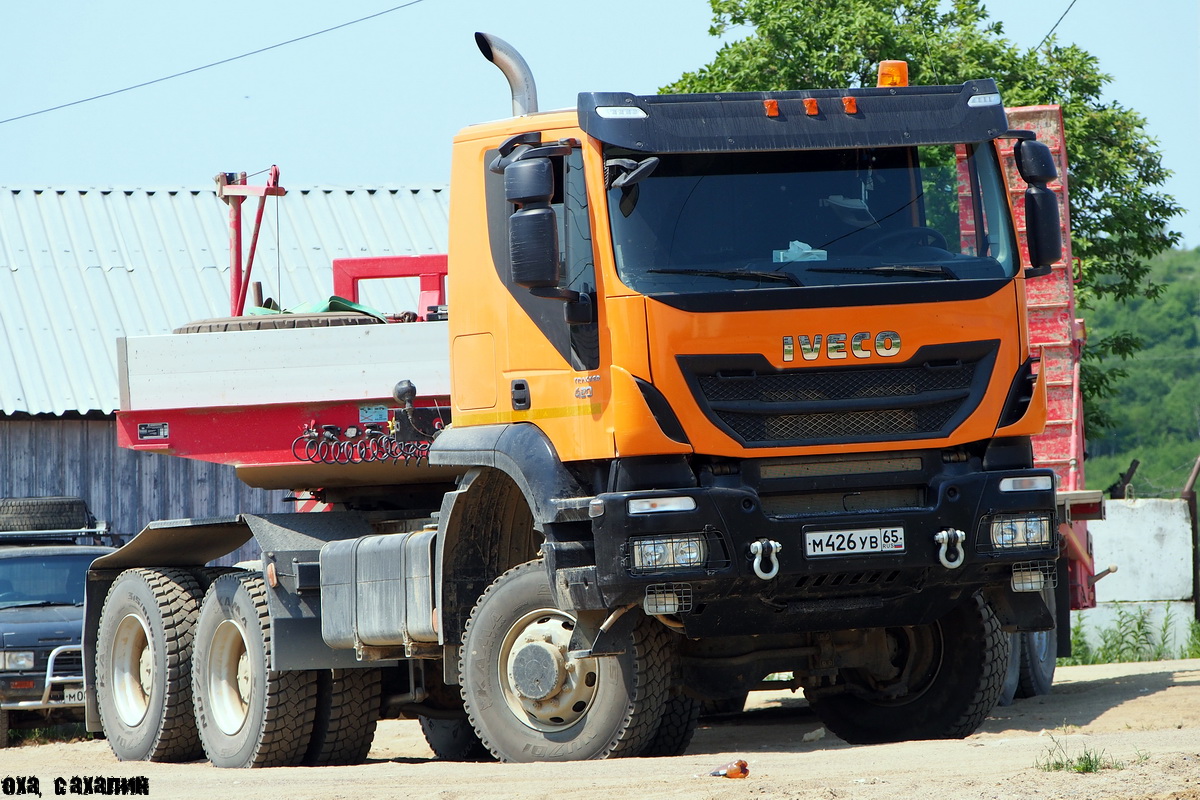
x=663 y=553
x=1034 y=576
x=1012 y=531
x=667 y=598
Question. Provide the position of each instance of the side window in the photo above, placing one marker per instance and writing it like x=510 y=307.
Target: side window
x=579 y=343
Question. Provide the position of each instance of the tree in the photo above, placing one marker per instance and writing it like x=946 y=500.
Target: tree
x=1119 y=215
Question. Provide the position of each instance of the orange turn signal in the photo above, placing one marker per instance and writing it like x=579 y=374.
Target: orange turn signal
x=893 y=73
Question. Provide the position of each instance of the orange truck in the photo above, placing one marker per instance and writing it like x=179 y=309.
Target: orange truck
x=727 y=386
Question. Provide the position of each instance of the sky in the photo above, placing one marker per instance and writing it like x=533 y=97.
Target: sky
x=377 y=103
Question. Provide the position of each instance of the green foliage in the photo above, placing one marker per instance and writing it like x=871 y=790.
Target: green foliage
x=1119 y=216
x=1131 y=638
x=1153 y=401
x=1057 y=759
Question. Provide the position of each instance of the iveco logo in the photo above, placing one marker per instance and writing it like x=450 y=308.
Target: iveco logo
x=862 y=345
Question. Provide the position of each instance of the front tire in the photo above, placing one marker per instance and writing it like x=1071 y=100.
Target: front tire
x=529 y=701
x=955 y=668
x=143 y=665
x=248 y=715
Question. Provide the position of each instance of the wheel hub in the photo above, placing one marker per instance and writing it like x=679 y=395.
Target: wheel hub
x=543 y=686
x=538 y=670
x=131 y=669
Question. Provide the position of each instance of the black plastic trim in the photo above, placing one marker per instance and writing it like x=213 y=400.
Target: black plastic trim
x=873 y=294
x=664 y=415
x=737 y=121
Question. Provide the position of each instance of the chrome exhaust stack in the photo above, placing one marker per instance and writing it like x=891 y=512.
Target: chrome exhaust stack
x=510 y=62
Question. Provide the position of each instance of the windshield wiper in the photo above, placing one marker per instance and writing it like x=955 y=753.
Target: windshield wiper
x=734 y=275
x=34 y=604
x=892 y=269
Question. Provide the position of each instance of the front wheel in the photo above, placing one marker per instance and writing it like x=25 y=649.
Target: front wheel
x=529 y=700
x=248 y=715
x=943 y=680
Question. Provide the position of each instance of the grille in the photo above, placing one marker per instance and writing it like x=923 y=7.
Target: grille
x=847 y=579
x=799 y=406
x=69 y=663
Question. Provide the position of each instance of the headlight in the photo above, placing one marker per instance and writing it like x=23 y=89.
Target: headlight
x=1012 y=531
x=18 y=659
x=663 y=553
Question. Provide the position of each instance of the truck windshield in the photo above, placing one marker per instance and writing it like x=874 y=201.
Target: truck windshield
x=716 y=222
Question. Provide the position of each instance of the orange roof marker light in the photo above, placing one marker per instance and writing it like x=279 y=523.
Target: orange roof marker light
x=893 y=73
x=771 y=107
x=850 y=104
x=810 y=106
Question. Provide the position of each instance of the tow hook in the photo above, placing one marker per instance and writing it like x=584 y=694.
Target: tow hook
x=950 y=539
x=766 y=549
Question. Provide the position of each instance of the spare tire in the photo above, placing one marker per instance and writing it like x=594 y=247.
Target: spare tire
x=270 y=322
x=44 y=514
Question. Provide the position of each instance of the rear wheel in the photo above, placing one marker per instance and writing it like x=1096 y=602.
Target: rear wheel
x=1012 y=674
x=1039 y=655
x=454 y=740
x=248 y=715
x=944 y=679
x=347 y=712
x=677 y=727
x=529 y=700
x=143 y=665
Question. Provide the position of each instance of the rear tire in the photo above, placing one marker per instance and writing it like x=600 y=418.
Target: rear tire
x=1039 y=655
x=143 y=665
x=529 y=701
x=248 y=715
x=1012 y=673
x=347 y=713
x=44 y=514
x=957 y=665
x=680 y=716
x=454 y=740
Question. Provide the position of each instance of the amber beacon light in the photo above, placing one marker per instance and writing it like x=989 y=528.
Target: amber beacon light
x=893 y=73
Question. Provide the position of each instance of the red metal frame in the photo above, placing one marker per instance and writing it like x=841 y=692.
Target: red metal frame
x=431 y=269
x=233 y=190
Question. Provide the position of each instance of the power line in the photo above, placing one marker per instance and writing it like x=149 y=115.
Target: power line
x=213 y=64
x=1060 y=19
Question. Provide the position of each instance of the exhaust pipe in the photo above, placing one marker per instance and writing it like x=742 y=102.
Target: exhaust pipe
x=509 y=61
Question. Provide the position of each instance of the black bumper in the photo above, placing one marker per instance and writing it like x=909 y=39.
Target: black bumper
x=830 y=590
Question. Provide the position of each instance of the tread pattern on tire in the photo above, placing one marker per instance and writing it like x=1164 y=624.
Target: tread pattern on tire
x=347 y=711
x=454 y=740
x=178 y=596
x=44 y=514
x=680 y=716
x=271 y=322
x=651 y=683
x=291 y=695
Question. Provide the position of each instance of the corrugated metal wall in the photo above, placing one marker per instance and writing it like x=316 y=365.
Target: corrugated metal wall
x=80 y=458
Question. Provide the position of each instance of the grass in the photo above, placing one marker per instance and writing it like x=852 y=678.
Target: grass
x=73 y=732
x=1057 y=759
x=1132 y=638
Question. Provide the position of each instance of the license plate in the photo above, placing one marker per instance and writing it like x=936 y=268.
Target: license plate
x=853 y=542
x=73 y=694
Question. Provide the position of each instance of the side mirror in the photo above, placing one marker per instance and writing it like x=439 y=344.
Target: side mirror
x=533 y=227
x=1043 y=226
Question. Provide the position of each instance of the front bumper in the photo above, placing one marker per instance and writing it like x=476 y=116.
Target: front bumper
x=49 y=689
x=798 y=585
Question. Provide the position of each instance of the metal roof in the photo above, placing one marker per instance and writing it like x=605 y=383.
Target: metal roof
x=81 y=267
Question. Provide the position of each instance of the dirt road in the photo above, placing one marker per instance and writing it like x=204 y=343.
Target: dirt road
x=1145 y=717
